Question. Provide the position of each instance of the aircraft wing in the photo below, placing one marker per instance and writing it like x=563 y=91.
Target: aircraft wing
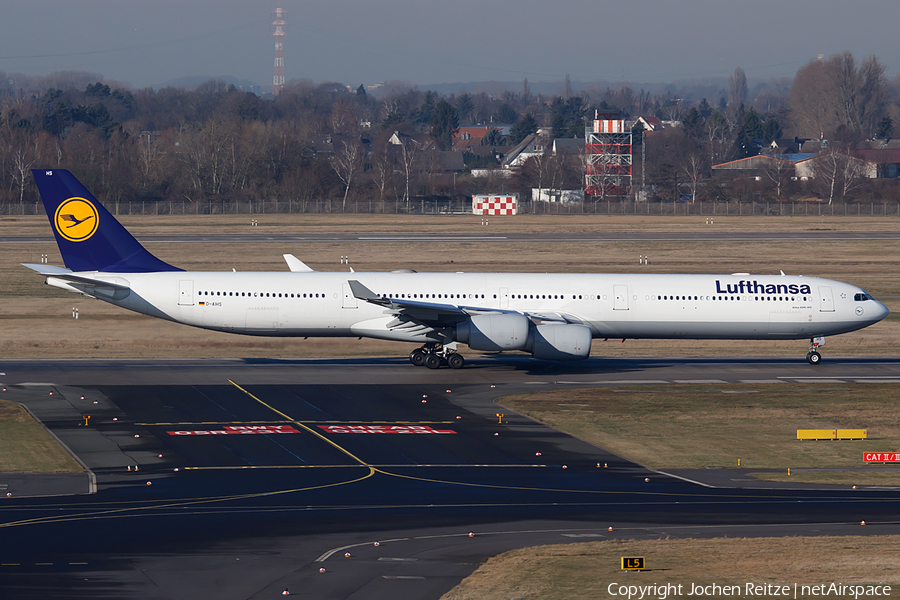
x=443 y=315
x=427 y=313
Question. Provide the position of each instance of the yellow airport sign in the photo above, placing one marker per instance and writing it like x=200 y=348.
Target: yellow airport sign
x=832 y=434
x=632 y=563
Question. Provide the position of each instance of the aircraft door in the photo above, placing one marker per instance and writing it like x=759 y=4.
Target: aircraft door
x=504 y=297
x=620 y=295
x=826 y=299
x=185 y=293
x=349 y=298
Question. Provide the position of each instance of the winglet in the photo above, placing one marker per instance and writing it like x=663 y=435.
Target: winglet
x=361 y=292
x=295 y=264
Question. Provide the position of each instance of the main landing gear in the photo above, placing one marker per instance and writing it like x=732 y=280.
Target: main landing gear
x=435 y=355
x=813 y=357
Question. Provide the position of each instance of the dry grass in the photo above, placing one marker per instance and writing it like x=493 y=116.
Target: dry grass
x=26 y=446
x=468 y=224
x=37 y=319
x=585 y=570
x=700 y=426
x=870 y=477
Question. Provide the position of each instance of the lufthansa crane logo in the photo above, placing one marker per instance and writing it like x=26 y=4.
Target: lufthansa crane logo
x=76 y=219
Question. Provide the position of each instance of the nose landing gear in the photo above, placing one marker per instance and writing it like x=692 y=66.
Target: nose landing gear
x=813 y=357
x=434 y=356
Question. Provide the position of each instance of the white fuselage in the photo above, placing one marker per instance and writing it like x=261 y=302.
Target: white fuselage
x=321 y=304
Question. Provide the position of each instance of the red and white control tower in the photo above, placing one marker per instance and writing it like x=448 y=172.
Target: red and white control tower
x=607 y=151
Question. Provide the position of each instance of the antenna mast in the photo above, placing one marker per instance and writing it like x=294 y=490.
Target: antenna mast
x=278 y=80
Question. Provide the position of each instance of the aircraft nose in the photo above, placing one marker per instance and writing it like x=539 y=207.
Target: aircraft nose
x=882 y=311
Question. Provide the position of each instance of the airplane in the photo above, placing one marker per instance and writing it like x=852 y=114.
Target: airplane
x=552 y=316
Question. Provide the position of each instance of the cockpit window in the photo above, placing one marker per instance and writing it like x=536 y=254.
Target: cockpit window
x=863 y=297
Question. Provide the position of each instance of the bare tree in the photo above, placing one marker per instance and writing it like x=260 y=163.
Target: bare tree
x=827 y=168
x=23 y=157
x=861 y=92
x=673 y=110
x=777 y=171
x=692 y=165
x=383 y=168
x=342 y=119
x=833 y=95
x=812 y=100
x=853 y=173
x=719 y=138
x=737 y=89
x=410 y=152
x=348 y=163
x=535 y=169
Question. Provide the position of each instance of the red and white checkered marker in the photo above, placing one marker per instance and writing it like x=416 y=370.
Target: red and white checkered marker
x=494 y=205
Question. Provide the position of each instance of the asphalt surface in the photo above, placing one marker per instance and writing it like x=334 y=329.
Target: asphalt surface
x=284 y=466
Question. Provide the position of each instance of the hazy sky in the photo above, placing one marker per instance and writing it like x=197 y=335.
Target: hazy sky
x=355 y=41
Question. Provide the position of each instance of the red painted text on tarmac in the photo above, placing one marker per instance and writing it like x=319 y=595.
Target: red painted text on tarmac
x=383 y=429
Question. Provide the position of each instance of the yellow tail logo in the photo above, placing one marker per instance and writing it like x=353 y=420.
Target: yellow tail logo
x=76 y=219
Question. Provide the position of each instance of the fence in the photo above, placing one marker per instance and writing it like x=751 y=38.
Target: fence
x=457 y=206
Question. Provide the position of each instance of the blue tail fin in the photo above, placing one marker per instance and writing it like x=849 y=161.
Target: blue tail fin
x=89 y=237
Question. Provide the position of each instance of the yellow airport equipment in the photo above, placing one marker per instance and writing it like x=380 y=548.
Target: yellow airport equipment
x=832 y=434
x=632 y=563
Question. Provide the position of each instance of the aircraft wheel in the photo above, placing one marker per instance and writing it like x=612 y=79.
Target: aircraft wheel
x=456 y=361
x=432 y=361
x=417 y=357
x=813 y=358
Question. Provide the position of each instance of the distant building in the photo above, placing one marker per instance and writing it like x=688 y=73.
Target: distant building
x=650 y=123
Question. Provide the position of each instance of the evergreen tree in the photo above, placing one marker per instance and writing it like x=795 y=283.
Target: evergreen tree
x=884 y=128
x=464 y=106
x=558 y=125
x=493 y=138
x=444 y=124
x=771 y=130
x=751 y=124
x=522 y=129
x=693 y=124
x=423 y=114
x=506 y=114
x=704 y=108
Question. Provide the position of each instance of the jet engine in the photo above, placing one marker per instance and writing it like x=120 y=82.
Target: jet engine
x=494 y=332
x=559 y=342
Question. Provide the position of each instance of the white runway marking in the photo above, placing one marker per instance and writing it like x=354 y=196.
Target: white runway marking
x=817 y=379
x=616 y=382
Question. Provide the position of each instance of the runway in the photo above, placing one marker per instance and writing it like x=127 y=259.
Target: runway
x=284 y=466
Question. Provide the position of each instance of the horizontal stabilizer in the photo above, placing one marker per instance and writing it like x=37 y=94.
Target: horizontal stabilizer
x=47 y=269
x=60 y=273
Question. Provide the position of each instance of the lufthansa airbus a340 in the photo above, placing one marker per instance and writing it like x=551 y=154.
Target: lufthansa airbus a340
x=550 y=316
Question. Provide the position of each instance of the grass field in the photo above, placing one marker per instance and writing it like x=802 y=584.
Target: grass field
x=586 y=570
x=25 y=446
x=701 y=426
x=38 y=321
